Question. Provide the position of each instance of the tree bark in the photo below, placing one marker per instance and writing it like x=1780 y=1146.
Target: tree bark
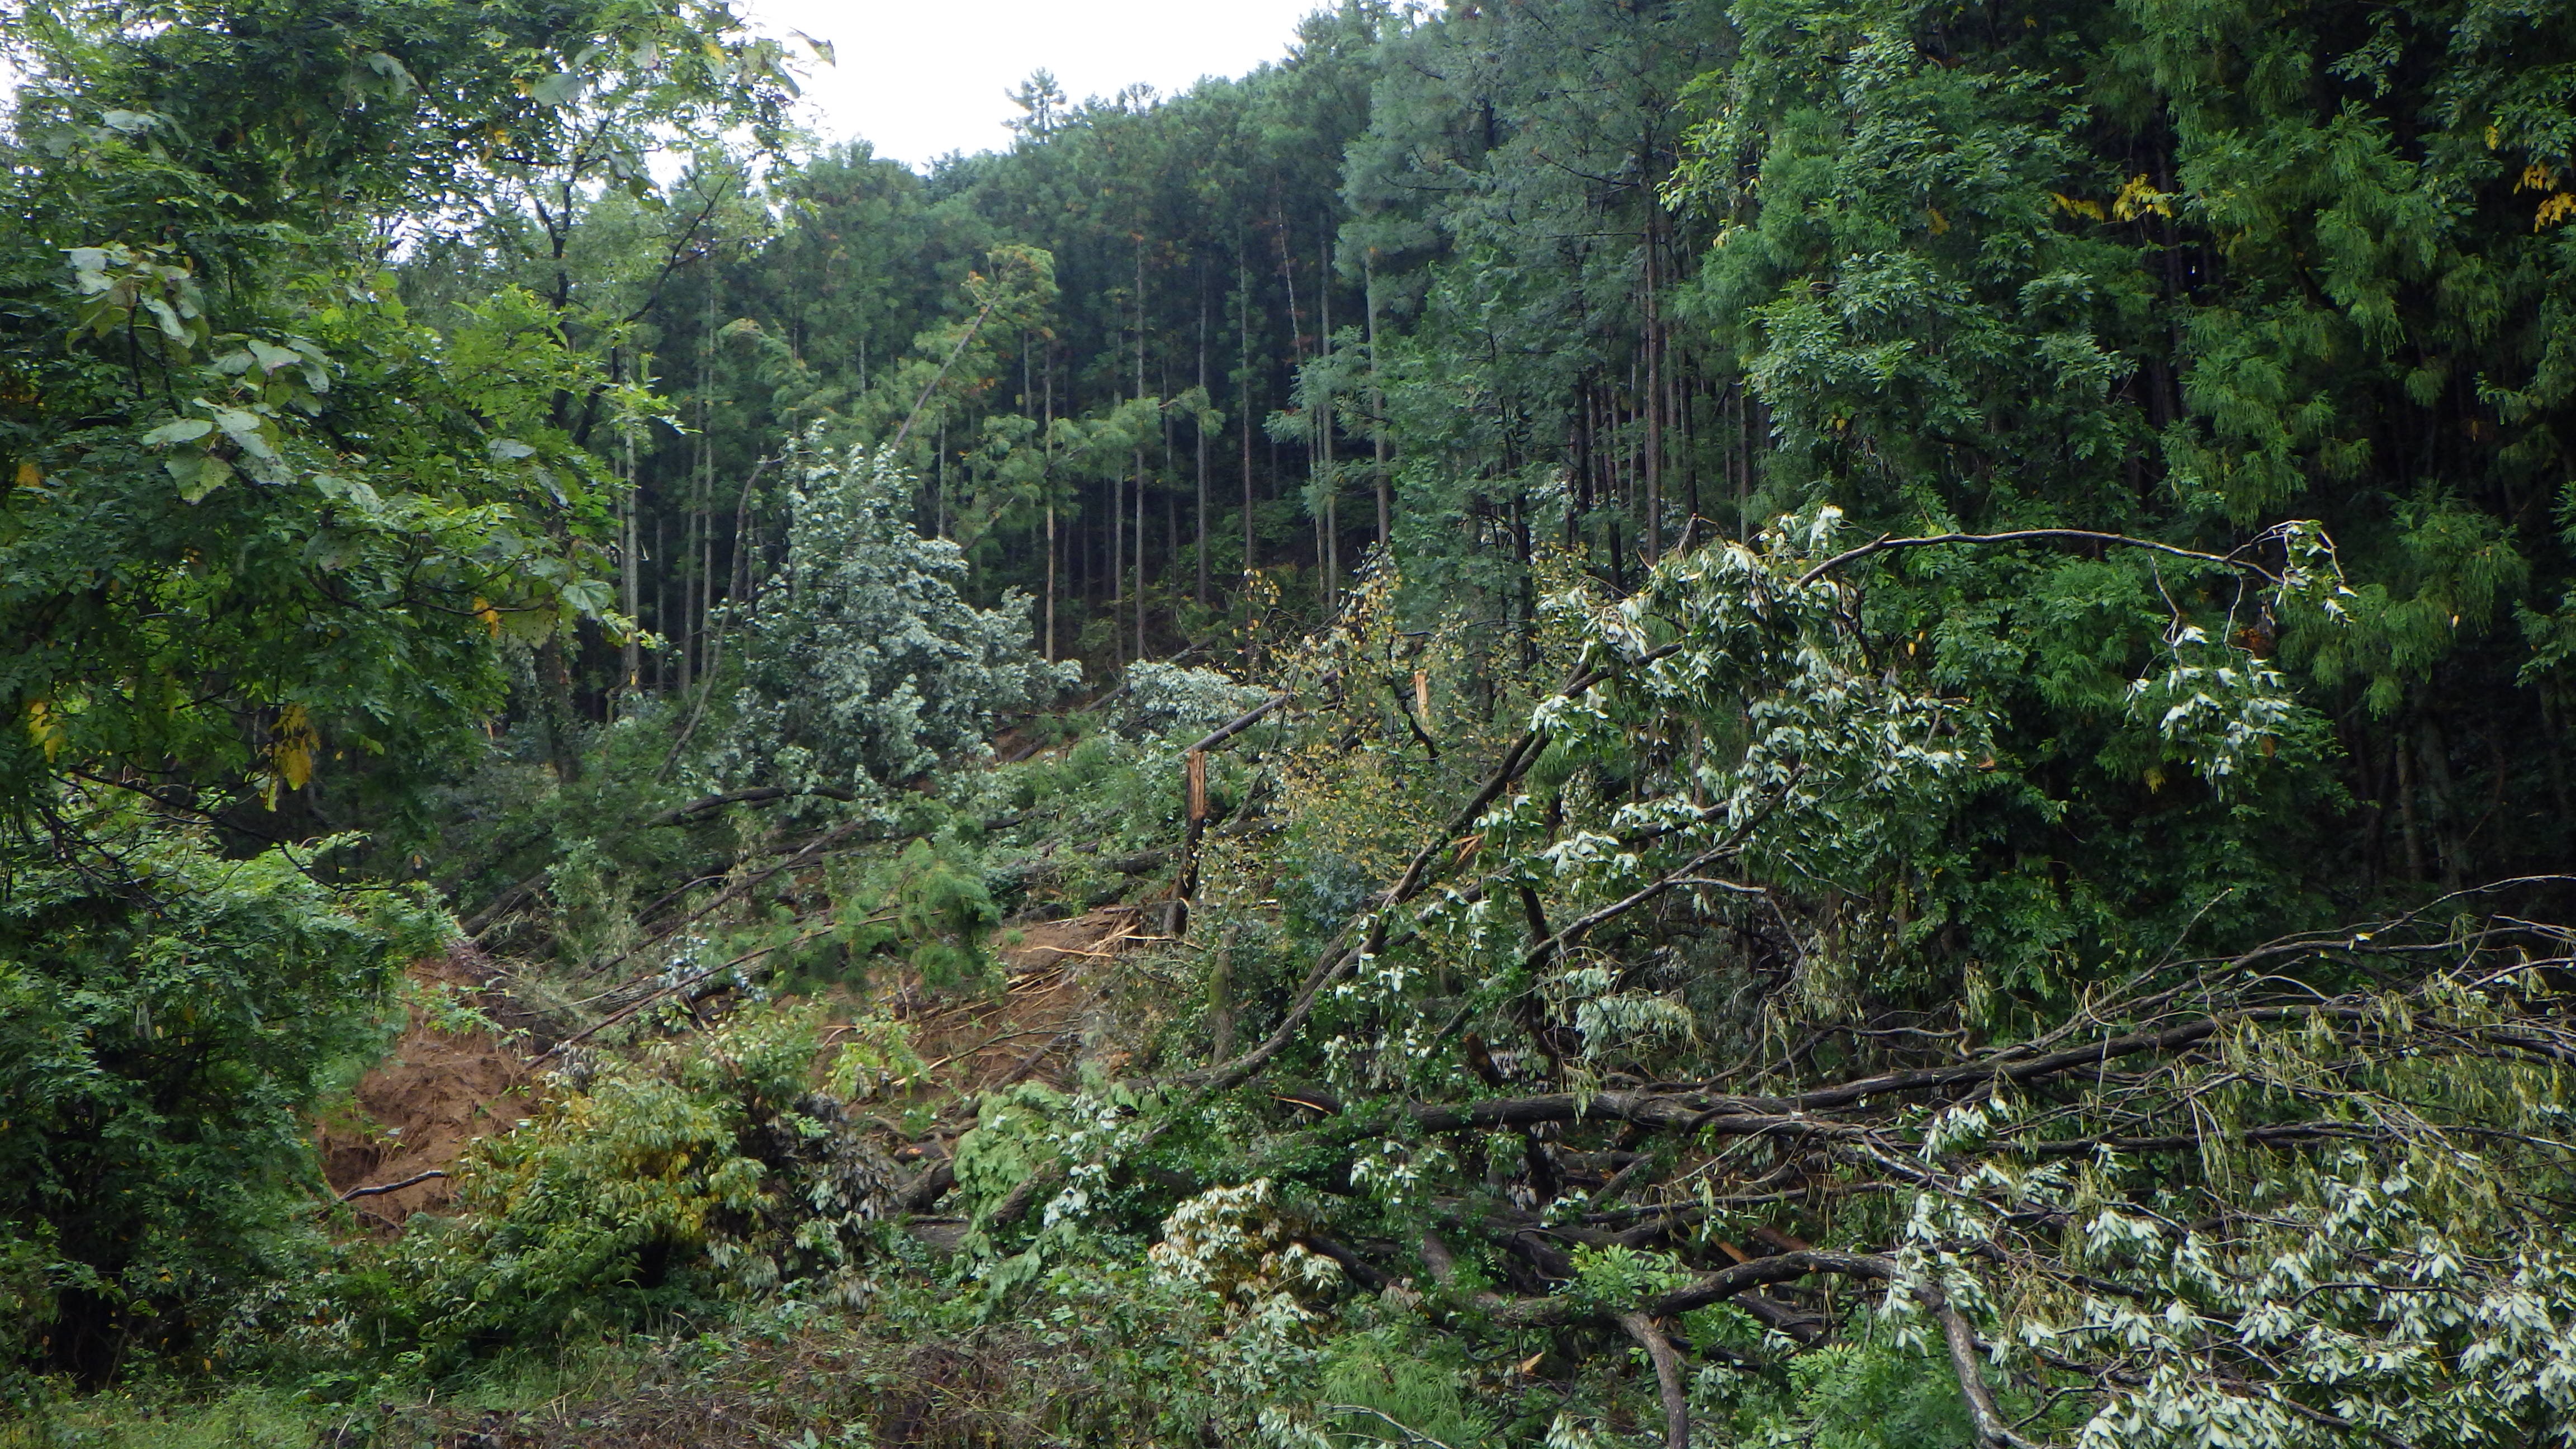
x=1653 y=535
x=1046 y=487
x=1198 y=430
x=1327 y=481
x=1243 y=398
x=1377 y=423
x=1668 y=1376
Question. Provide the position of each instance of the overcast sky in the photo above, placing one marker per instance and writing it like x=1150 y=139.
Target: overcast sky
x=921 y=78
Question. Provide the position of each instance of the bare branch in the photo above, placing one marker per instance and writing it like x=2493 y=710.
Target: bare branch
x=1668 y=1376
x=2035 y=535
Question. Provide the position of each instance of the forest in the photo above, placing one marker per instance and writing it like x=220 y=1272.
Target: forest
x=1571 y=723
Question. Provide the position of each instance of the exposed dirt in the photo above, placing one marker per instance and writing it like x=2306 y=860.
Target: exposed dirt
x=437 y=1090
x=1035 y=1028
x=434 y=1093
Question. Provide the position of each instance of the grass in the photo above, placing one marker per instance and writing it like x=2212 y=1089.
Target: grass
x=243 y=1418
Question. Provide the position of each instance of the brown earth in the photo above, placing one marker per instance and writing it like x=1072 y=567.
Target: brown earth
x=1035 y=1027
x=437 y=1091
x=434 y=1093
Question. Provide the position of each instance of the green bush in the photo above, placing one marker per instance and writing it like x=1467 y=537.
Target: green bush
x=698 y=1171
x=1859 y=1395
x=169 y=1021
x=1395 y=1387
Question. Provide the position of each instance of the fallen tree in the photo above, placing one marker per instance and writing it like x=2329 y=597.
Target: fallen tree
x=2306 y=1192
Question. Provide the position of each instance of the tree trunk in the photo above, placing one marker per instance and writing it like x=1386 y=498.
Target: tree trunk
x=1329 y=482
x=1653 y=536
x=1046 y=489
x=554 y=684
x=2408 y=825
x=1198 y=430
x=630 y=662
x=1243 y=399
x=1377 y=425
x=1140 y=449
x=1117 y=566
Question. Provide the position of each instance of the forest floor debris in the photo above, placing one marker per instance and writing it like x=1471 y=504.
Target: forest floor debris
x=1035 y=1027
x=438 y=1089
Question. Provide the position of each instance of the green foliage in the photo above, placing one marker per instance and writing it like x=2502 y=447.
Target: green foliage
x=1384 y=1386
x=1868 y=1394
x=933 y=906
x=1922 y=904
x=2180 y=275
x=1618 y=1275
x=872 y=668
x=252 y=468
x=1177 y=700
x=696 y=1172
x=170 y=1020
x=243 y=1418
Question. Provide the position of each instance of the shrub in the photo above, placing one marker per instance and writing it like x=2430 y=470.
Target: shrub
x=169 y=1020
x=698 y=1171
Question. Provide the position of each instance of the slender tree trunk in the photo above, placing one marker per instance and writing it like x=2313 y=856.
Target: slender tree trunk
x=1046 y=489
x=1198 y=430
x=1243 y=397
x=1619 y=479
x=1579 y=498
x=1677 y=473
x=2450 y=820
x=2550 y=734
x=1653 y=537
x=1288 y=276
x=706 y=575
x=2410 y=828
x=554 y=684
x=1743 y=464
x=630 y=664
x=1171 y=498
x=694 y=582
x=1331 y=481
x=1528 y=580
x=1140 y=448
x=1117 y=566
x=1297 y=358
x=740 y=581
x=684 y=641
x=1377 y=424
x=1220 y=1012
x=1140 y=553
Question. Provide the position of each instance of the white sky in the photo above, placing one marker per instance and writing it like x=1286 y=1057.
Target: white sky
x=922 y=79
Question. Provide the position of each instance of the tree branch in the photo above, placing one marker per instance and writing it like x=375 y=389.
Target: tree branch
x=415 y=1180
x=1668 y=1376
x=1961 y=1340
x=1885 y=544
x=1339 y=957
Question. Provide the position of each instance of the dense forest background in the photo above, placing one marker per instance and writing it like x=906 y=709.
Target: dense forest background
x=1475 y=289
x=1583 y=722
